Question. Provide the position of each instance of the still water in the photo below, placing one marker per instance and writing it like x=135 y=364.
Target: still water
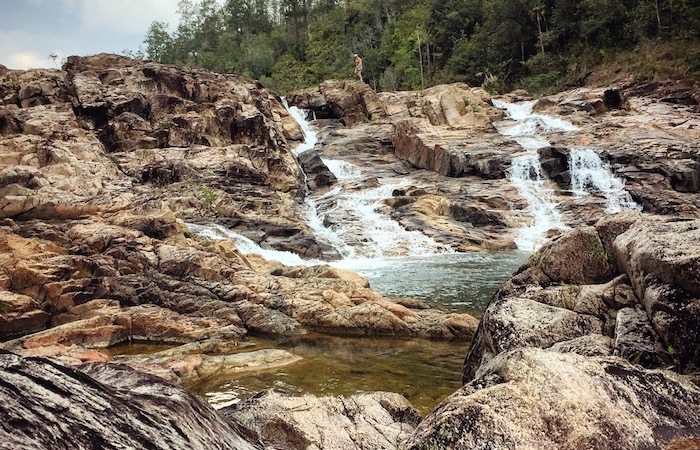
x=462 y=282
x=424 y=371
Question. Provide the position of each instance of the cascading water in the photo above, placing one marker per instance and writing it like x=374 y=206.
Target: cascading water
x=247 y=246
x=589 y=174
x=361 y=229
x=398 y=263
x=526 y=172
x=310 y=136
x=526 y=175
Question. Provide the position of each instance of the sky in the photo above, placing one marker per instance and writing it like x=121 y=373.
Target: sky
x=31 y=30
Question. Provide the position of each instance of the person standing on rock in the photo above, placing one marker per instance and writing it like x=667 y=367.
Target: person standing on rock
x=358 y=67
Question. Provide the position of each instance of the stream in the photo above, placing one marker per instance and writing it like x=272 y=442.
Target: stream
x=401 y=263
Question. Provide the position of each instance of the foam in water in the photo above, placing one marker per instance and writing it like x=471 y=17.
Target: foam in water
x=363 y=228
x=366 y=227
x=310 y=136
x=527 y=122
x=343 y=170
x=247 y=246
x=589 y=174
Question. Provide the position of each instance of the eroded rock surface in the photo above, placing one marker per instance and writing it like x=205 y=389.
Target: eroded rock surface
x=106 y=406
x=378 y=420
x=532 y=398
x=591 y=344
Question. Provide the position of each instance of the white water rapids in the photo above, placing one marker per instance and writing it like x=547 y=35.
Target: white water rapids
x=356 y=223
x=589 y=174
x=526 y=172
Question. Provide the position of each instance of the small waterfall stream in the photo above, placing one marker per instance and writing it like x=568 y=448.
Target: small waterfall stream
x=590 y=175
x=526 y=172
x=355 y=221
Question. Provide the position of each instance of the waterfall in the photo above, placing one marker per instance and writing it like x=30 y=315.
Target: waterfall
x=363 y=222
x=355 y=221
x=310 y=136
x=526 y=175
x=589 y=174
x=247 y=246
x=526 y=172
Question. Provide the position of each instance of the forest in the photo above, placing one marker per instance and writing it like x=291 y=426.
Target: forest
x=538 y=45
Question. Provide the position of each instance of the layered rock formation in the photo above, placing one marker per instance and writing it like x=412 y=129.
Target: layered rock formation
x=106 y=406
x=102 y=161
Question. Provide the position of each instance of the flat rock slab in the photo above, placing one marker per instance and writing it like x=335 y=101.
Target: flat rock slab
x=371 y=421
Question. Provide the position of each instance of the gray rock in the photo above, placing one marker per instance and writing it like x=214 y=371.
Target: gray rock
x=536 y=399
x=103 y=406
x=372 y=421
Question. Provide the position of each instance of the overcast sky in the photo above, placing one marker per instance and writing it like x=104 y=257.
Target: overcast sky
x=30 y=30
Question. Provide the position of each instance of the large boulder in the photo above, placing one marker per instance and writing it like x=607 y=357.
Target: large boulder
x=533 y=398
x=662 y=260
x=592 y=344
x=350 y=101
x=378 y=420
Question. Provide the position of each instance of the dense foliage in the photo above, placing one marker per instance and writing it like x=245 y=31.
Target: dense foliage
x=410 y=44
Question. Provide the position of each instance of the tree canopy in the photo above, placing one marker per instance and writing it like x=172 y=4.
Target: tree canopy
x=411 y=44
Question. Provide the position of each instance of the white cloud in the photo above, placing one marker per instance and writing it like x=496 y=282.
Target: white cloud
x=27 y=60
x=36 y=28
x=126 y=16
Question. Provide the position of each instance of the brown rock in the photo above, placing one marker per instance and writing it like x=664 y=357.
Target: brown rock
x=350 y=101
x=20 y=314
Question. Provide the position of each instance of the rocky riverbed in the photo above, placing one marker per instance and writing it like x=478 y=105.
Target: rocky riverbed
x=105 y=161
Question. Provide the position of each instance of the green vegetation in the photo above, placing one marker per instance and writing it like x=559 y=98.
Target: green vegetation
x=534 y=259
x=209 y=197
x=599 y=249
x=541 y=45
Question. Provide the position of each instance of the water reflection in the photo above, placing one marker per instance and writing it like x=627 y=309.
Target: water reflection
x=425 y=372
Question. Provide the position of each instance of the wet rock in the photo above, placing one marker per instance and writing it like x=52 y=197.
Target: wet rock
x=317 y=173
x=103 y=406
x=377 y=420
x=532 y=398
x=555 y=163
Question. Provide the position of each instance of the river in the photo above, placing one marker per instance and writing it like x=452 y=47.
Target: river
x=399 y=263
